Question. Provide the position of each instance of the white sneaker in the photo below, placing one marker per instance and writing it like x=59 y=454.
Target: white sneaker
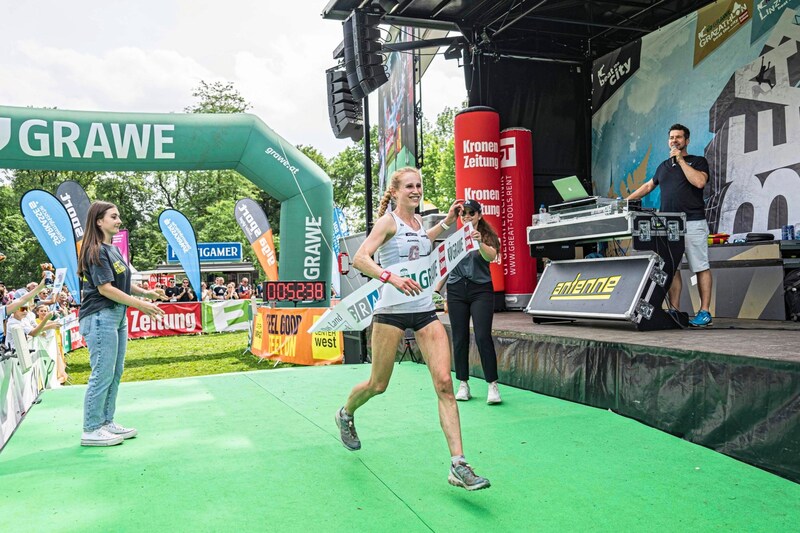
x=116 y=429
x=100 y=437
x=494 y=394
x=463 y=392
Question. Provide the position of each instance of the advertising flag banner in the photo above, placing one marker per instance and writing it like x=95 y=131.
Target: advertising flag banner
x=254 y=224
x=51 y=225
x=354 y=313
x=226 y=315
x=180 y=235
x=120 y=240
x=178 y=319
x=282 y=335
x=716 y=23
x=75 y=200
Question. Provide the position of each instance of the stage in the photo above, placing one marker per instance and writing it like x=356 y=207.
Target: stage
x=733 y=387
x=259 y=451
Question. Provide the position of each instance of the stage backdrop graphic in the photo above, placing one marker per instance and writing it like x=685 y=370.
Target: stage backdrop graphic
x=396 y=117
x=51 y=225
x=740 y=102
x=75 y=200
x=54 y=139
x=180 y=235
x=254 y=224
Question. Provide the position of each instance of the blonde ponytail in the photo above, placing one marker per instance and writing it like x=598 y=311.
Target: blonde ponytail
x=387 y=197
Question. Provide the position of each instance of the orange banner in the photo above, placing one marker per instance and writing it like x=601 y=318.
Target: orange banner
x=264 y=248
x=282 y=335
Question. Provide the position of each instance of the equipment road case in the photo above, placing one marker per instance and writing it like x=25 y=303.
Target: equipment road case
x=628 y=289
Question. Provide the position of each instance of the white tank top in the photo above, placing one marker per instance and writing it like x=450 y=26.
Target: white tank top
x=407 y=244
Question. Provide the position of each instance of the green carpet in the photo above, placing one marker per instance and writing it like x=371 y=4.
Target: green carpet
x=259 y=451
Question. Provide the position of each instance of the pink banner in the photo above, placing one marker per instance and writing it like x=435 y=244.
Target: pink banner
x=120 y=240
x=180 y=319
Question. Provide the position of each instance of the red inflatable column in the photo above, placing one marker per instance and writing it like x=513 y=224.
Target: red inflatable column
x=477 y=152
x=516 y=186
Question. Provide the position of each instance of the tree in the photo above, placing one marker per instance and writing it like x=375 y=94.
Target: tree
x=439 y=171
x=218 y=97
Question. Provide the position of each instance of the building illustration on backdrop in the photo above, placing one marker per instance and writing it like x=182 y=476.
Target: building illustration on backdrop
x=754 y=156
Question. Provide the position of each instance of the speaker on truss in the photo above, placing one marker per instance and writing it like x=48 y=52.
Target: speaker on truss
x=362 y=53
x=350 y=59
x=367 y=49
x=344 y=112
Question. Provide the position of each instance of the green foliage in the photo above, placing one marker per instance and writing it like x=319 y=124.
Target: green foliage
x=218 y=97
x=439 y=171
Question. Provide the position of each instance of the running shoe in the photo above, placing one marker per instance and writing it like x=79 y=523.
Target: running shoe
x=701 y=320
x=463 y=392
x=347 y=430
x=462 y=475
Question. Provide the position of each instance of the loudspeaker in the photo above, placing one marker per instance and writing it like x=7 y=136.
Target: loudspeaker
x=344 y=112
x=362 y=53
x=350 y=58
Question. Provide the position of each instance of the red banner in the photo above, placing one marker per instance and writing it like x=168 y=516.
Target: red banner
x=477 y=153
x=179 y=319
x=516 y=162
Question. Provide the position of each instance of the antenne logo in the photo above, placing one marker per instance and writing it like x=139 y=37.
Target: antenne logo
x=5 y=131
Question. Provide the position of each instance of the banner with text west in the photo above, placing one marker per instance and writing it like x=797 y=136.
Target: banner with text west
x=282 y=335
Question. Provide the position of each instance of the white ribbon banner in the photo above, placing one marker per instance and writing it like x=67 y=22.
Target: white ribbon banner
x=354 y=313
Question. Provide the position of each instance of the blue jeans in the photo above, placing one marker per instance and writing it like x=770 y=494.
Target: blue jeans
x=106 y=334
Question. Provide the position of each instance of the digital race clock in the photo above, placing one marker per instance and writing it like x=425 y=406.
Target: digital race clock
x=295 y=291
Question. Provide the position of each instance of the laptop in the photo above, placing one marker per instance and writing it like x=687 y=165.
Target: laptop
x=572 y=192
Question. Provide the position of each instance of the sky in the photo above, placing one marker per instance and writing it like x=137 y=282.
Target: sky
x=148 y=56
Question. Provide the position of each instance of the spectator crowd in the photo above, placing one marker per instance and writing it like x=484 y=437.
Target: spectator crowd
x=40 y=317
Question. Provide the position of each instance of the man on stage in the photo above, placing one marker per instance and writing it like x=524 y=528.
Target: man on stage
x=682 y=179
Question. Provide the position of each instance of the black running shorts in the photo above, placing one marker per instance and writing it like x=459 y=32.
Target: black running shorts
x=404 y=321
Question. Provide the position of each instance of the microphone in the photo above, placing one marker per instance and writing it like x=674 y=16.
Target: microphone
x=673 y=159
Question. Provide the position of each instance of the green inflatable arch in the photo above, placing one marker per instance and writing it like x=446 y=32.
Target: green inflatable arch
x=52 y=139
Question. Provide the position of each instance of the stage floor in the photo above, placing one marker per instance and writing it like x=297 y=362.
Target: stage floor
x=763 y=339
x=259 y=451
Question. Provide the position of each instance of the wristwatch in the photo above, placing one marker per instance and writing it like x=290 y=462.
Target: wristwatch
x=385 y=275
